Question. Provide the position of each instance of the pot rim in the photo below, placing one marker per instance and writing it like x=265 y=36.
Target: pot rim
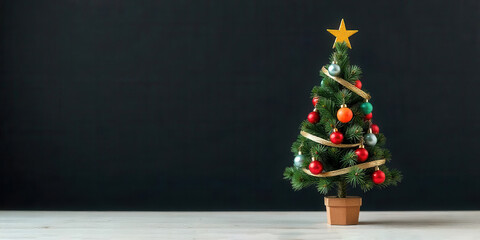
x=349 y=201
x=330 y=197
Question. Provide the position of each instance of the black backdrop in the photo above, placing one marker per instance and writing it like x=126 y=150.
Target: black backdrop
x=193 y=105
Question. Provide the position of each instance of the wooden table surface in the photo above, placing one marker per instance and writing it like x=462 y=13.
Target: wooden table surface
x=235 y=225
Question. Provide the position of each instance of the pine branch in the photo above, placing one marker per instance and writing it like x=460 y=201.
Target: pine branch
x=322 y=92
x=324 y=185
x=355 y=98
x=395 y=177
x=352 y=73
x=387 y=155
x=329 y=83
x=343 y=96
x=320 y=149
x=349 y=159
x=355 y=177
x=301 y=180
x=288 y=173
x=392 y=177
x=341 y=57
x=326 y=108
x=315 y=129
x=377 y=152
x=296 y=145
x=329 y=125
x=354 y=133
x=358 y=116
x=381 y=140
x=368 y=185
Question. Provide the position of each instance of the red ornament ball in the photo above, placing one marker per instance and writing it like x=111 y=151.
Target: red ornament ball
x=362 y=154
x=344 y=114
x=358 y=84
x=368 y=116
x=315 y=167
x=375 y=129
x=378 y=177
x=336 y=137
x=313 y=117
x=315 y=101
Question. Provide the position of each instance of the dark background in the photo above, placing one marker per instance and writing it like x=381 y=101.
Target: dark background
x=193 y=105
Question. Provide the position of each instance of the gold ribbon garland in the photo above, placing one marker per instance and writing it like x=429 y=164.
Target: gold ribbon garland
x=342 y=171
x=326 y=142
x=348 y=85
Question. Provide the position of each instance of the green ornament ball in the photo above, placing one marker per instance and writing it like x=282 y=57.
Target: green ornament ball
x=366 y=107
x=322 y=83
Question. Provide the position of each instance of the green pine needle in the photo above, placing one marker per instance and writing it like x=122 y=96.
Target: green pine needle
x=288 y=173
x=326 y=108
x=354 y=133
x=322 y=92
x=320 y=148
x=329 y=126
x=343 y=96
x=349 y=159
x=352 y=73
x=381 y=140
x=368 y=185
x=301 y=180
x=387 y=155
x=323 y=185
x=355 y=177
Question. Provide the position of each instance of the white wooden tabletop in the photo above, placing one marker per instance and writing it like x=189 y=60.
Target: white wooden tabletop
x=235 y=225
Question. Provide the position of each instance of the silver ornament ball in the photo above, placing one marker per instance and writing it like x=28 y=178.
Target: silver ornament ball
x=299 y=160
x=334 y=69
x=370 y=139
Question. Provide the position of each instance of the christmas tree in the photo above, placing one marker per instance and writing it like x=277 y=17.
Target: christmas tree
x=338 y=145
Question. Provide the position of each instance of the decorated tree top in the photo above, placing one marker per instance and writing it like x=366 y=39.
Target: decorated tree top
x=338 y=144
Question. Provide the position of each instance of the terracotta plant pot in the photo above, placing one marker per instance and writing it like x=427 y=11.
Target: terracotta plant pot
x=343 y=211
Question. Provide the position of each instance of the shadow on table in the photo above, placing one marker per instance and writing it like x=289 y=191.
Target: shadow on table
x=410 y=223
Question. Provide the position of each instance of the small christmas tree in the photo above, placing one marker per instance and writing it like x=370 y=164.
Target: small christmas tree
x=338 y=144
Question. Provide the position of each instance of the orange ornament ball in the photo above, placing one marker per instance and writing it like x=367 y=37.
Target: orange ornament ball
x=344 y=114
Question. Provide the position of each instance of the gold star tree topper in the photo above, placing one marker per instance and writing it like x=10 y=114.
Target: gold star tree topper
x=342 y=34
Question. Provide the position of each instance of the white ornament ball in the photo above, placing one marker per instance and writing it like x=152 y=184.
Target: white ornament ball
x=299 y=160
x=334 y=69
x=370 y=139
